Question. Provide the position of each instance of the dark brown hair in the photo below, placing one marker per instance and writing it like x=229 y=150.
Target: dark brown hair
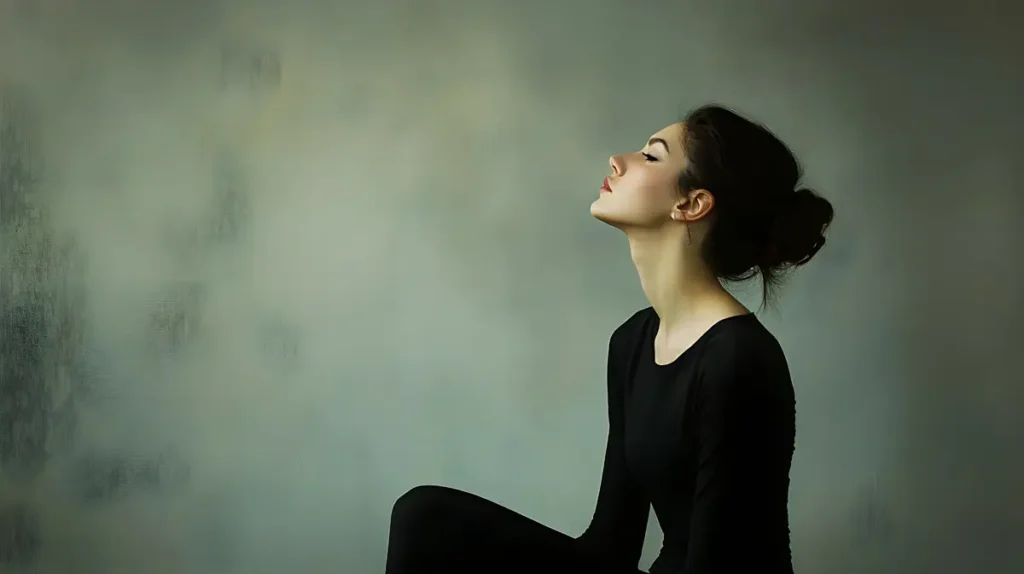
x=763 y=221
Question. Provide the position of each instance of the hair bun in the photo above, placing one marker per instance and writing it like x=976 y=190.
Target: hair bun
x=799 y=228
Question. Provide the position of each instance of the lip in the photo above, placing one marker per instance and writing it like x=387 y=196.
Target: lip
x=605 y=186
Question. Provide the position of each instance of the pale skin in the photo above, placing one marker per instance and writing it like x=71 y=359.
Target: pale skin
x=665 y=229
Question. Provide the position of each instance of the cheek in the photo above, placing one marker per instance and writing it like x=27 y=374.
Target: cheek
x=656 y=187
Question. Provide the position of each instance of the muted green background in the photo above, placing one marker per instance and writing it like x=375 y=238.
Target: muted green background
x=354 y=254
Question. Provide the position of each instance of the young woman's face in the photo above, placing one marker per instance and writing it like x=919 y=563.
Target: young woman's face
x=643 y=187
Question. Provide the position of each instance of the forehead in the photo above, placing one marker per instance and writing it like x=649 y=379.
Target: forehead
x=672 y=132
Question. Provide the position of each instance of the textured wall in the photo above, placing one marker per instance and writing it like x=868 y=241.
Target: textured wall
x=264 y=266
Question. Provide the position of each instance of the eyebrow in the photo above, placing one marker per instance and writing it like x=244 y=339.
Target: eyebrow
x=653 y=141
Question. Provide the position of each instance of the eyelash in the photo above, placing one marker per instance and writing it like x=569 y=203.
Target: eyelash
x=648 y=156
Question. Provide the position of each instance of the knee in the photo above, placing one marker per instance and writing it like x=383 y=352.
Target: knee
x=420 y=506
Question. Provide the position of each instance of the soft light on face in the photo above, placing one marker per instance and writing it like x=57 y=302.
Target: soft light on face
x=643 y=187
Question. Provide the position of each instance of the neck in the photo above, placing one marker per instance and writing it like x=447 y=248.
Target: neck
x=677 y=284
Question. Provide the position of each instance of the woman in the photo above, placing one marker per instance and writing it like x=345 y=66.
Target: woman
x=701 y=407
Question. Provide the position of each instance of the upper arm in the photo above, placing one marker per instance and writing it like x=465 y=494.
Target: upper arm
x=744 y=422
x=725 y=432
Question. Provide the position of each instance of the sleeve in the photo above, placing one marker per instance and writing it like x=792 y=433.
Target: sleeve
x=744 y=451
x=617 y=529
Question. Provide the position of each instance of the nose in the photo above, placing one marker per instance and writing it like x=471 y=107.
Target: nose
x=616 y=164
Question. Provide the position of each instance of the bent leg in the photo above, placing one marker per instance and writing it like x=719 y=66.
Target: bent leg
x=436 y=529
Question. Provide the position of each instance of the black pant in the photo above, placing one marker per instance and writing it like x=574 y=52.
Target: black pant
x=438 y=530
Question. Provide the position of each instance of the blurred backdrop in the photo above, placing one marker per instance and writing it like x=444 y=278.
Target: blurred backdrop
x=264 y=266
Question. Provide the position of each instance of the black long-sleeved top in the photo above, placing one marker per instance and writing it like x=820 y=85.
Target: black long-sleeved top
x=708 y=441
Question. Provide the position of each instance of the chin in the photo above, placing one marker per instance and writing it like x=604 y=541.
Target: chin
x=600 y=212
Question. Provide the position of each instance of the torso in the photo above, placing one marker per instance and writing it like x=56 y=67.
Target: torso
x=661 y=411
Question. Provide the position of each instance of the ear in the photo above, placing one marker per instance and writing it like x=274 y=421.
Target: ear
x=694 y=206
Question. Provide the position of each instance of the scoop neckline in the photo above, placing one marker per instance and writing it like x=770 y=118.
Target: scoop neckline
x=717 y=325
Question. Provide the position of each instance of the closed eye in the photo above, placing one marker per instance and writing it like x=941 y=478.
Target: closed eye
x=648 y=156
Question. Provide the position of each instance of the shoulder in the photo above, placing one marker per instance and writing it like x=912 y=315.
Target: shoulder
x=743 y=338
x=743 y=358
x=622 y=347
x=631 y=330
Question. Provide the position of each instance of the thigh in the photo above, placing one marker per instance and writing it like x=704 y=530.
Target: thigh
x=441 y=528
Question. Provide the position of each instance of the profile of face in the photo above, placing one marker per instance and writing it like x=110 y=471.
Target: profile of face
x=642 y=191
